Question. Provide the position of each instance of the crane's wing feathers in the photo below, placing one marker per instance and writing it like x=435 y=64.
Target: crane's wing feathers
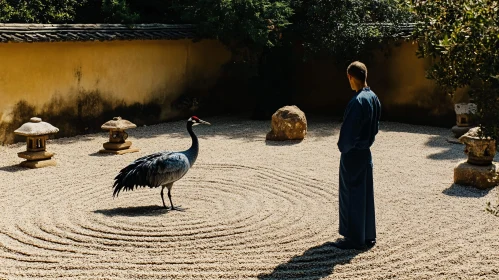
x=169 y=163
x=152 y=170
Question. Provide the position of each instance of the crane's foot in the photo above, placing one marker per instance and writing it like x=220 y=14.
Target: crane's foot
x=177 y=208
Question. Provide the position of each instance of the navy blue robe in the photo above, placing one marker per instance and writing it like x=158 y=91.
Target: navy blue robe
x=356 y=196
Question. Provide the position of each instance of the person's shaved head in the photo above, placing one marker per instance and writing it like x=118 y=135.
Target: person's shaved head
x=358 y=70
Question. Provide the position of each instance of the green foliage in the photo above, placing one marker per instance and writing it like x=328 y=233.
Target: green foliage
x=88 y=11
x=485 y=93
x=38 y=11
x=6 y=11
x=462 y=36
x=138 y=11
x=155 y=11
x=346 y=28
x=252 y=23
x=118 y=11
x=339 y=28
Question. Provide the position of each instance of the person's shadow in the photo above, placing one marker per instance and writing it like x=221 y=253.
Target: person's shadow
x=315 y=263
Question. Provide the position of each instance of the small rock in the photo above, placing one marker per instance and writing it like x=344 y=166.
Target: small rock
x=288 y=123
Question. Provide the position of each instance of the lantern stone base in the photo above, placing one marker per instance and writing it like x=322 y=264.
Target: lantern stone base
x=37 y=159
x=42 y=155
x=459 y=131
x=38 y=163
x=481 y=177
x=119 y=152
x=118 y=148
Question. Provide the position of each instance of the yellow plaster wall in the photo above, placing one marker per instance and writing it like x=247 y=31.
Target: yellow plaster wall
x=131 y=71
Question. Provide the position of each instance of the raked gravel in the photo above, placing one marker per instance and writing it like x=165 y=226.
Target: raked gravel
x=252 y=209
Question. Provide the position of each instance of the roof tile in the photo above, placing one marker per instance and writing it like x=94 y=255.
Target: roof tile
x=13 y=32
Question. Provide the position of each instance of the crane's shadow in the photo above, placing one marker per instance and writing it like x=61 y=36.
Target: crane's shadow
x=314 y=264
x=136 y=211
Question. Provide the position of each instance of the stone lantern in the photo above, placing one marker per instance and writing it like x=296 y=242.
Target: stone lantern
x=464 y=111
x=117 y=137
x=37 y=133
x=479 y=170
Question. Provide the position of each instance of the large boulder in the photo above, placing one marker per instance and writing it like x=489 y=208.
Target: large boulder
x=481 y=177
x=288 y=123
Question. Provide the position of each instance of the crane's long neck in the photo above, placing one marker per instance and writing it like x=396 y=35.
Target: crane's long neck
x=192 y=152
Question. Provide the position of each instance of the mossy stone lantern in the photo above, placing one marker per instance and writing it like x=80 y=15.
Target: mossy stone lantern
x=37 y=133
x=480 y=151
x=479 y=170
x=117 y=137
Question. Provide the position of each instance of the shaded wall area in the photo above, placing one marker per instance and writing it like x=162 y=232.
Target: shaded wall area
x=395 y=74
x=77 y=86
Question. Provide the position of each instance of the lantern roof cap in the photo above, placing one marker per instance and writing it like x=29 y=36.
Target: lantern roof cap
x=117 y=123
x=35 y=127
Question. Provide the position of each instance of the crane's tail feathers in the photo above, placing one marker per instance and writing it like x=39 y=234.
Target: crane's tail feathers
x=134 y=175
x=126 y=180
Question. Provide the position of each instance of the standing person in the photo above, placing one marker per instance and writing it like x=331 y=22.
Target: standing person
x=356 y=196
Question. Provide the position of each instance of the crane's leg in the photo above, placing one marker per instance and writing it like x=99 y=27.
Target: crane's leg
x=162 y=198
x=170 y=195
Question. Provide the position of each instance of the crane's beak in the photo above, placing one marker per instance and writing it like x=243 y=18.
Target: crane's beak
x=203 y=122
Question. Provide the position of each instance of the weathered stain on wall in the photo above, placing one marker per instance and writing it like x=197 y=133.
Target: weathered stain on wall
x=85 y=83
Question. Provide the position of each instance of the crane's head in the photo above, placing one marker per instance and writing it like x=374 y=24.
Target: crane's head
x=195 y=121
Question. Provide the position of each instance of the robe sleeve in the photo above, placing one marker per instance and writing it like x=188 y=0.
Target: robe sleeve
x=350 y=129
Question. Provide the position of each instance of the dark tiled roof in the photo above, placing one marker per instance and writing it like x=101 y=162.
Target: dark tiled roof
x=12 y=32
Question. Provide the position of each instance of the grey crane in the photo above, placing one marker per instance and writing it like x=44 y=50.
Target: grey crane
x=159 y=169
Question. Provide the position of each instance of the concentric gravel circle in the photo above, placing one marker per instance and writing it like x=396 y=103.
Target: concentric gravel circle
x=233 y=218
